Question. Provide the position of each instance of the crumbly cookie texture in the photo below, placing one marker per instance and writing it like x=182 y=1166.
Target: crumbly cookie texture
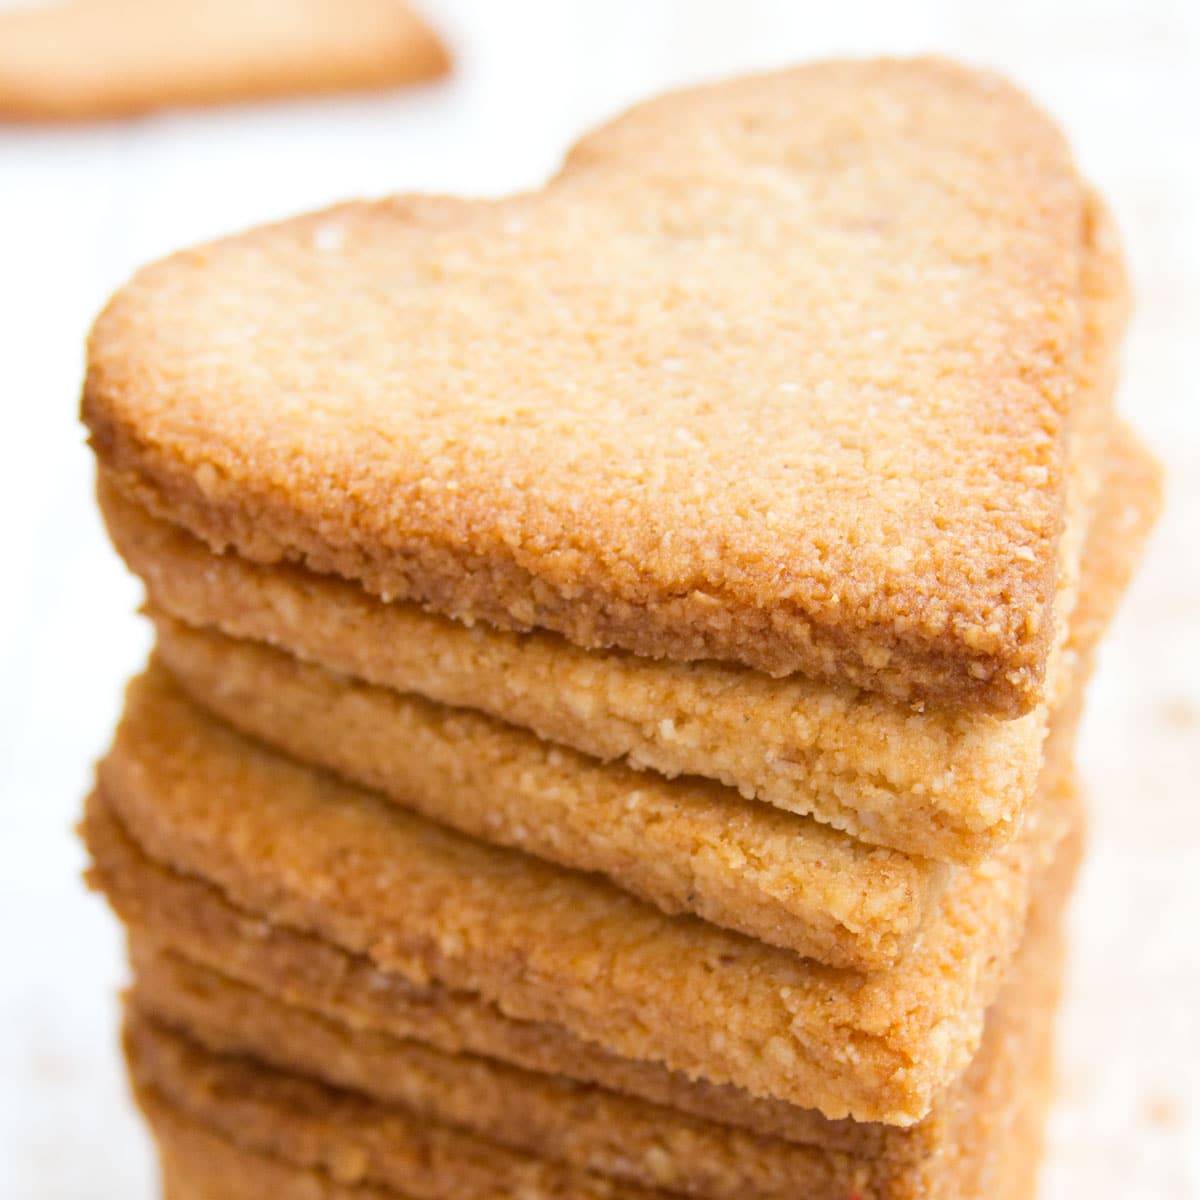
x=198 y=1163
x=305 y=850
x=344 y=1138
x=190 y=1030
x=163 y=908
x=944 y=784
x=175 y=920
x=685 y=845
x=184 y=1016
x=87 y=59
x=777 y=372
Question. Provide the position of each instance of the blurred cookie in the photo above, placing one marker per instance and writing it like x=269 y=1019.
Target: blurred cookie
x=102 y=58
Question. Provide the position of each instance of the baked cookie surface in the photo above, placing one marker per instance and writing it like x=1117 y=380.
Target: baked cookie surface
x=778 y=372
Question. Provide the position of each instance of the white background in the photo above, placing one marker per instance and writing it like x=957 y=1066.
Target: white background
x=81 y=207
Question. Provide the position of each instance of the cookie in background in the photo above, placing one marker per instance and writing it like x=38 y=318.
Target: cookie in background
x=94 y=59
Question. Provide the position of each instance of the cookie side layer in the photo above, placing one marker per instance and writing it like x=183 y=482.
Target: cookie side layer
x=834 y=899
x=200 y=1164
x=163 y=908
x=345 y=1138
x=592 y=1129
x=319 y=855
x=175 y=915
x=685 y=845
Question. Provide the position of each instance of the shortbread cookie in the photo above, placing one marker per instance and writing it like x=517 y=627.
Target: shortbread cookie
x=681 y=844
x=164 y=908
x=307 y=851
x=684 y=845
x=199 y=1163
x=943 y=783
x=86 y=59
x=343 y=1138
x=747 y=381
x=184 y=1016
x=545 y=1115
x=176 y=920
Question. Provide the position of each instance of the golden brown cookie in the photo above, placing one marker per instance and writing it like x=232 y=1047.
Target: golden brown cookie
x=176 y=922
x=781 y=372
x=164 y=908
x=202 y=1042
x=344 y=1141
x=684 y=844
x=941 y=783
x=357 y=1104
x=87 y=59
x=302 y=849
x=197 y=1163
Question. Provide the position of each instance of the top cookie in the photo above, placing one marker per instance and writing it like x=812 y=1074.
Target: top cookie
x=778 y=372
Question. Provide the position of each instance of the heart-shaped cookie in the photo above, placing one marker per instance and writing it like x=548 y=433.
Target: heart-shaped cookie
x=778 y=372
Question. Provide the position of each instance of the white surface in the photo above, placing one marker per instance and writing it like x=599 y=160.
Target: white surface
x=80 y=208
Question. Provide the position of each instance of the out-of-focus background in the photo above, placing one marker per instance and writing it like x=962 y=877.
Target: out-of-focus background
x=82 y=206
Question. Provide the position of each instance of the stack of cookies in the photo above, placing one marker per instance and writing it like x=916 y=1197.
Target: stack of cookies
x=618 y=656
